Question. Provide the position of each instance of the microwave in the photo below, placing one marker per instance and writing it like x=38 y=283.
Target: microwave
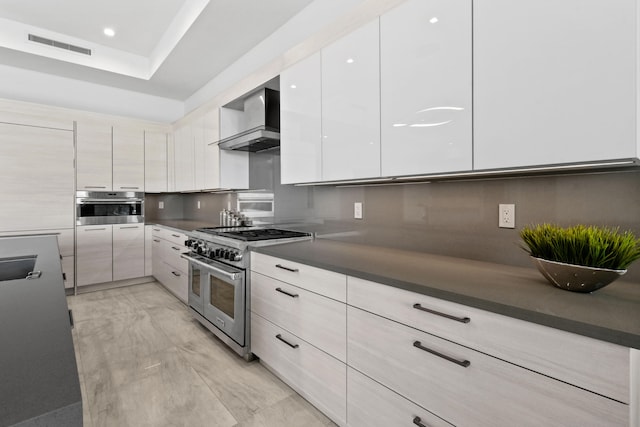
x=109 y=207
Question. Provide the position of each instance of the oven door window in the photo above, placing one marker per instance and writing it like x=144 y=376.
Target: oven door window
x=110 y=209
x=222 y=296
x=195 y=281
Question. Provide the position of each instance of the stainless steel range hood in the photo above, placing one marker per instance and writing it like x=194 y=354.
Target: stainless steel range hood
x=259 y=127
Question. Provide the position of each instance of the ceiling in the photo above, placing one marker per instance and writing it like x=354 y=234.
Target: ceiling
x=168 y=48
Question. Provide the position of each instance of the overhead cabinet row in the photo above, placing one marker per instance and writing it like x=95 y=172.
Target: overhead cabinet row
x=395 y=97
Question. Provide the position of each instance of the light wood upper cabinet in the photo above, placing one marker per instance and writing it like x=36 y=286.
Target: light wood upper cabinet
x=425 y=66
x=37 y=175
x=351 y=105
x=211 y=127
x=155 y=162
x=197 y=130
x=184 y=159
x=554 y=82
x=301 y=122
x=128 y=158
x=93 y=155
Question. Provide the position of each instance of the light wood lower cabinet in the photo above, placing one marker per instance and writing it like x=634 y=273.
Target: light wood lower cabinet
x=408 y=366
x=168 y=267
x=128 y=251
x=317 y=376
x=373 y=405
x=94 y=254
x=466 y=387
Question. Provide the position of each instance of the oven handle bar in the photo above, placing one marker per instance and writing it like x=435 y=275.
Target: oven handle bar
x=228 y=274
x=108 y=201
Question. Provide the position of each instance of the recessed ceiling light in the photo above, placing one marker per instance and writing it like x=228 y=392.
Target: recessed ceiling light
x=109 y=32
x=350 y=61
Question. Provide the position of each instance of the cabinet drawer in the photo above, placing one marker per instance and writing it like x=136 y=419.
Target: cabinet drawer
x=323 y=282
x=316 y=319
x=318 y=377
x=174 y=280
x=373 y=405
x=487 y=392
x=171 y=235
x=171 y=255
x=585 y=362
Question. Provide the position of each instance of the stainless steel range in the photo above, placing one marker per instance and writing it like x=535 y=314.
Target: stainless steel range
x=219 y=283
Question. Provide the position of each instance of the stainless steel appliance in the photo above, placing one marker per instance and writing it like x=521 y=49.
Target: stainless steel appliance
x=259 y=127
x=219 y=280
x=109 y=207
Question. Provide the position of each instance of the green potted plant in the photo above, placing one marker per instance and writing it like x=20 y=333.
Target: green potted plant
x=580 y=258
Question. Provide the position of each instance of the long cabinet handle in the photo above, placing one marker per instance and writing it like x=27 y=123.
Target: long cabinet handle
x=293 y=270
x=439 y=313
x=287 y=293
x=175 y=274
x=463 y=363
x=95 y=186
x=130 y=226
x=287 y=342
x=71 y=318
x=418 y=421
x=94 y=229
x=130 y=188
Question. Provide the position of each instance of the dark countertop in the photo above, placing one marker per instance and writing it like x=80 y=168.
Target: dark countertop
x=610 y=314
x=39 y=382
x=182 y=225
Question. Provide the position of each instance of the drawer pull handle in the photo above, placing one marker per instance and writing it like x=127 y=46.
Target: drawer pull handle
x=94 y=229
x=156 y=240
x=175 y=235
x=287 y=293
x=95 y=186
x=130 y=226
x=437 y=313
x=418 y=421
x=293 y=270
x=287 y=342
x=175 y=248
x=463 y=363
x=175 y=274
x=130 y=188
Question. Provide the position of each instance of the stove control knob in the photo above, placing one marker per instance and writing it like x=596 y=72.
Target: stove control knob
x=225 y=254
x=218 y=253
x=200 y=250
x=187 y=242
x=238 y=257
x=232 y=256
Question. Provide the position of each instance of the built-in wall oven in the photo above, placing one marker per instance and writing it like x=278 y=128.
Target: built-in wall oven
x=219 y=282
x=109 y=207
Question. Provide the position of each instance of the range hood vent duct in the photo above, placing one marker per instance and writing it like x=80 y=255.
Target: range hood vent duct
x=260 y=124
x=59 y=45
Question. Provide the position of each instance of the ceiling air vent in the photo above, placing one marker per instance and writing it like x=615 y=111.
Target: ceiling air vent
x=59 y=45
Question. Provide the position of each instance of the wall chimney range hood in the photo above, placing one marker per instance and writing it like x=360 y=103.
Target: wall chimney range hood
x=259 y=122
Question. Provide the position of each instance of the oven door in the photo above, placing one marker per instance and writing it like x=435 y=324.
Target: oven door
x=222 y=293
x=98 y=208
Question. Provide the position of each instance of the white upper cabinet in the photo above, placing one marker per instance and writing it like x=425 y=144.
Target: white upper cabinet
x=554 y=82
x=184 y=159
x=93 y=155
x=351 y=105
x=128 y=158
x=211 y=151
x=155 y=162
x=300 y=122
x=425 y=63
x=197 y=130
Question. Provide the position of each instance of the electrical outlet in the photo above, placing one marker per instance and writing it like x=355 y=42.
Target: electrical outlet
x=507 y=216
x=198 y=204
x=160 y=205
x=357 y=210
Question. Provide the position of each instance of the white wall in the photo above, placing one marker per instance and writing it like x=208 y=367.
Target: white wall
x=42 y=88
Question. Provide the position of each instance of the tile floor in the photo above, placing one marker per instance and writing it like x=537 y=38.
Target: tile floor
x=143 y=361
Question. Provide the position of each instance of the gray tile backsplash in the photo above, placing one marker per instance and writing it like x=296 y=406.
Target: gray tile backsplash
x=456 y=218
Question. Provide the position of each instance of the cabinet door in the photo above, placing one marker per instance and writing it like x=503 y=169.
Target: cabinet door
x=300 y=122
x=148 y=250
x=93 y=155
x=197 y=131
x=425 y=74
x=351 y=106
x=184 y=159
x=128 y=158
x=211 y=151
x=155 y=162
x=128 y=251
x=36 y=171
x=94 y=256
x=554 y=82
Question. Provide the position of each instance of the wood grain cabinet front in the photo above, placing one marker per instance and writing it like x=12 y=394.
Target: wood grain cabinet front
x=169 y=268
x=582 y=361
x=466 y=387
